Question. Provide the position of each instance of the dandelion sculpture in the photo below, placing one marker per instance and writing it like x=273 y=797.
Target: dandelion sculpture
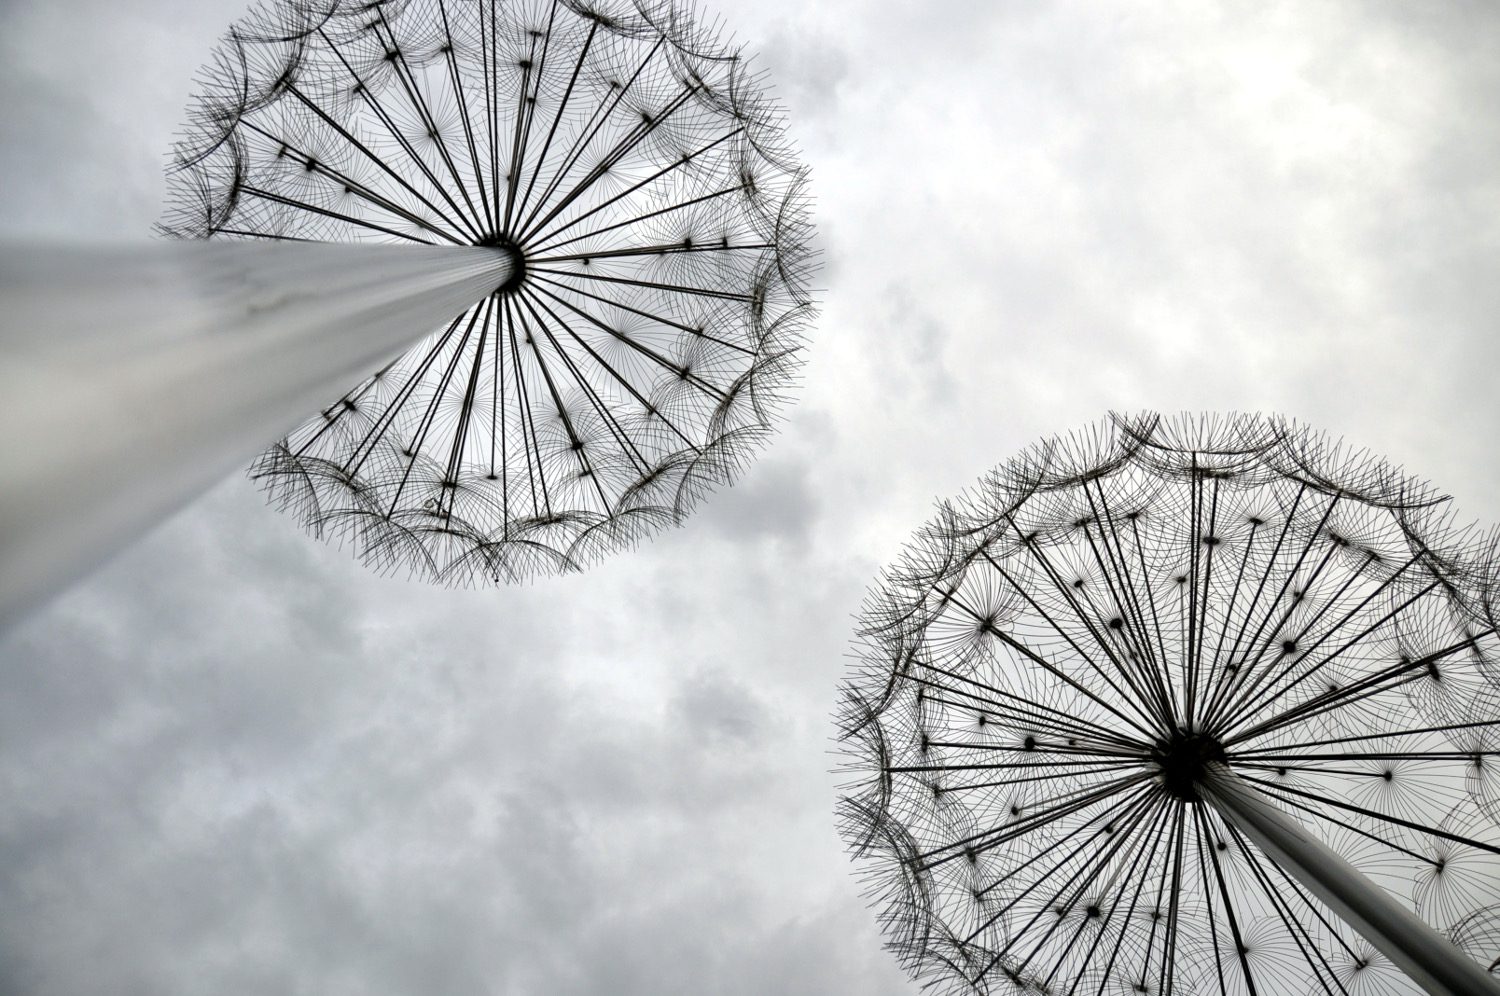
x=605 y=186
x=1184 y=706
x=634 y=174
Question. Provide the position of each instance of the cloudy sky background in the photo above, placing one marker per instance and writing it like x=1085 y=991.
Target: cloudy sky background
x=232 y=760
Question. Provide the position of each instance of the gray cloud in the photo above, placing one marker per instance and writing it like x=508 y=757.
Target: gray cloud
x=235 y=761
x=773 y=500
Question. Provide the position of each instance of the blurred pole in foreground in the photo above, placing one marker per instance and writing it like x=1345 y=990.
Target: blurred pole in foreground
x=132 y=378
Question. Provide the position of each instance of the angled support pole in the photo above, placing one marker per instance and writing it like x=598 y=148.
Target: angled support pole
x=1427 y=957
x=133 y=377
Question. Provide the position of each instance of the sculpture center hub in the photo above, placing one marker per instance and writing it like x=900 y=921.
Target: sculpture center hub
x=1183 y=758
x=514 y=255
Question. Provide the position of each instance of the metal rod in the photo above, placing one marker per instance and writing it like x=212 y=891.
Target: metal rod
x=133 y=377
x=1427 y=957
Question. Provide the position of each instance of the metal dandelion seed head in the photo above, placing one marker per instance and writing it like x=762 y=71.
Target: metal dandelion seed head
x=631 y=171
x=1131 y=659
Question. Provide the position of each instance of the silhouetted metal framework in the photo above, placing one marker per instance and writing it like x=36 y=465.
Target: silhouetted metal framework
x=1173 y=706
x=635 y=173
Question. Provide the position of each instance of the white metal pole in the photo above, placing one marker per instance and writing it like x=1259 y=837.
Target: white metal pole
x=133 y=377
x=1427 y=957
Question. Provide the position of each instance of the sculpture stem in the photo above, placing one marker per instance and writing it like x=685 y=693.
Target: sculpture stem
x=133 y=377
x=1427 y=957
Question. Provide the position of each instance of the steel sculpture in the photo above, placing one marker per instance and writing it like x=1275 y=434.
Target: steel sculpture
x=1204 y=705
x=625 y=228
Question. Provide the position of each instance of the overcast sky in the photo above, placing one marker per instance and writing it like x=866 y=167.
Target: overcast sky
x=234 y=761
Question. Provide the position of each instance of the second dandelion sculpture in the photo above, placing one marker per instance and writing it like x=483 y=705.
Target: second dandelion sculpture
x=633 y=174
x=1193 y=706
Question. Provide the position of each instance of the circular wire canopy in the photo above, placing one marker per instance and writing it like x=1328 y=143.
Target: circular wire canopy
x=1051 y=678
x=633 y=172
